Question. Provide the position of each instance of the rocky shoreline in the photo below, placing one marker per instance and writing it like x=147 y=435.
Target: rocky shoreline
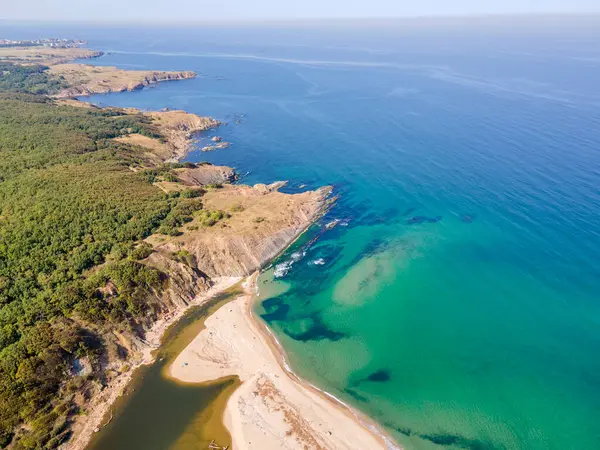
x=241 y=229
x=110 y=79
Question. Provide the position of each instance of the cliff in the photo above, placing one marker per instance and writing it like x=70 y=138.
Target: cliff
x=253 y=225
x=263 y=223
x=203 y=257
x=177 y=129
x=84 y=80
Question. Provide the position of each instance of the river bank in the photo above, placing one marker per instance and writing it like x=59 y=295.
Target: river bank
x=101 y=406
x=273 y=408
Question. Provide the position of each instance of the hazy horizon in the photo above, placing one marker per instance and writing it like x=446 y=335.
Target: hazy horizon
x=515 y=18
x=272 y=10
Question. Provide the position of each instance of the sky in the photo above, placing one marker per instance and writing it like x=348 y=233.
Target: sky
x=207 y=10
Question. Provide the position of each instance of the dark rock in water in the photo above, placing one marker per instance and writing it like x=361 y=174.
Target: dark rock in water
x=356 y=395
x=381 y=217
x=317 y=332
x=457 y=441
x=404 y=431
x=380 y=376
x=423 y=219
x=408 y=211
x=416 y=220
x=275 y=310
x=467 y=218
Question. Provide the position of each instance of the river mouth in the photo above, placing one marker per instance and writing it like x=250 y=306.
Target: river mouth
x=158 y=413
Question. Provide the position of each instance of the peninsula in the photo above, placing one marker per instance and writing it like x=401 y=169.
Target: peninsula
x=107 y=239
x=72 y=80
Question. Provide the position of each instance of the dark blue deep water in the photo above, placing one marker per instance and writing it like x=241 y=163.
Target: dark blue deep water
x=460 y=304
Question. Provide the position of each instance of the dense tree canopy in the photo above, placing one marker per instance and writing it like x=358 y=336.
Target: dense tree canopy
x=74 y=205
x=29 y=79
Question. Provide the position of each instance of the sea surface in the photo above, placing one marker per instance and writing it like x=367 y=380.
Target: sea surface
x=456 y=300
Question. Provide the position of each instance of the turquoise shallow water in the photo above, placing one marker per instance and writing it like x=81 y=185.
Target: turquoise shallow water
x=458 y=300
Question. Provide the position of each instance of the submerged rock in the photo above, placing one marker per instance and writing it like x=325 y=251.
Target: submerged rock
x=219 y=145
x=423 y=219
x=380 y=376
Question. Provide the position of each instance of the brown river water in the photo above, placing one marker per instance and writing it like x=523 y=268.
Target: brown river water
x=157 y=413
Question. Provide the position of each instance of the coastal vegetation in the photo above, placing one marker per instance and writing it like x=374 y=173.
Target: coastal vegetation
x=75 y=206
x=29 y=79
x=103 y=243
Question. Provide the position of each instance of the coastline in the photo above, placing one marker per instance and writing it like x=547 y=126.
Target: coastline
x=354 y=427
x=312 y=417
x=280 y=353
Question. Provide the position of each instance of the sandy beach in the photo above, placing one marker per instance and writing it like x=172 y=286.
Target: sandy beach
x=272 y=409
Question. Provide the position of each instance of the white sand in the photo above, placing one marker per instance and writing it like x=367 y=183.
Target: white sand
x=272 y=409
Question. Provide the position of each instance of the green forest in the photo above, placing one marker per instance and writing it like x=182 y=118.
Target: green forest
x=29 y=79
x=74 y=206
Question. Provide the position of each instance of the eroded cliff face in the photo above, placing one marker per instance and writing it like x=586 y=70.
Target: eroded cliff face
x=258 y=223
x=263 y=222
x=124 y=349
x=254 y=225
x=207 y=174
x=177 y=128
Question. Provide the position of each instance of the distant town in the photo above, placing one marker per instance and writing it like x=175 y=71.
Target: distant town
x=45 y=42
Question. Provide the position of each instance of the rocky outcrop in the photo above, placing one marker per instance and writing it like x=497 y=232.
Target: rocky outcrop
x=91 y=54
x=268 y=221
x=178 y=127
x=87 y=80
x=161 y=76
x=206 y=174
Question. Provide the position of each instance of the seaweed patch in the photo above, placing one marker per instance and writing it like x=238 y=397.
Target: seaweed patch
x=423 y=219
x=381 y=217
x=356 y=395
x=317 y=331
x=457 y=441
x=379 y=376
x=446 y=439
x=402 y=430
x=275 y=309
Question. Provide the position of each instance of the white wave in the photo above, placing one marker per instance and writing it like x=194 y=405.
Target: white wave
x=297 y=256
x=281 y=270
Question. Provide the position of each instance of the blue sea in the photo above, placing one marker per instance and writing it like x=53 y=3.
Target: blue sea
x=457 y=299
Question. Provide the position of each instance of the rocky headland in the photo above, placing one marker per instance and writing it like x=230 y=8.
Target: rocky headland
x=229 y=232
x=240 y=229
x=85 y=80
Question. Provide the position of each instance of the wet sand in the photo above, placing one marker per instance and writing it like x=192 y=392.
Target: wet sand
x=273 y=408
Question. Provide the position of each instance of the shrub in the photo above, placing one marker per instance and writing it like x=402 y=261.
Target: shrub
x=192 y=193
x=142 y=251
x=238 y=207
